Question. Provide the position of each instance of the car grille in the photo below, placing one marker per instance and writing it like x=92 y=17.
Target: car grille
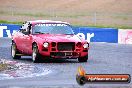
x=66 y=46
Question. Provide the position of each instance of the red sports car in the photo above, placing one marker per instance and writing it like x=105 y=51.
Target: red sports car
x=45 y=39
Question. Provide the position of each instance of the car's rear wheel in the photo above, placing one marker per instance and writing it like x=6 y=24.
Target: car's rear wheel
x=14 y=52
x=35 y=54
x=83 y=59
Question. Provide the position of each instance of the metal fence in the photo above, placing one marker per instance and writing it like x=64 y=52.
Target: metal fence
x=96 y=19
x=76 y=18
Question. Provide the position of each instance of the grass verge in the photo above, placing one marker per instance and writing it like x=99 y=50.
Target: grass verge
x=99 y=26
x=10 y=22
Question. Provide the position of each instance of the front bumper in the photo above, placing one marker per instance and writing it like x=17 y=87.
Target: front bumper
x=63 y=50
x=64 y=54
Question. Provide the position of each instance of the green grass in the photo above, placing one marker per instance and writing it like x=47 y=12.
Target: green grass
x=109 y=26
x=106 y=26
x=10 y=22
x=99 y=26
x=77 y=19
x=74 y=15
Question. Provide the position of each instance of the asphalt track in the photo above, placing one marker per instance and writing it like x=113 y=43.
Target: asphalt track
x=104 y=58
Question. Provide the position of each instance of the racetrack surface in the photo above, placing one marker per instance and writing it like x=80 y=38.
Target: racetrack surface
x=104 y=58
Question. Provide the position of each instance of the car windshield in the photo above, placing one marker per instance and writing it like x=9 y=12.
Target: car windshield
x=52 y=29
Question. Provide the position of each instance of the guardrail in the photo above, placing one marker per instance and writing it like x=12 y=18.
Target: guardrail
x=91 y=34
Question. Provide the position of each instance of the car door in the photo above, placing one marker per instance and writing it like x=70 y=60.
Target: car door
x=27 y=40
x=21 y=36
x=19 y=39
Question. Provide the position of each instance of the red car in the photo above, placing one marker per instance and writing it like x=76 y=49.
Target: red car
x=45 y=39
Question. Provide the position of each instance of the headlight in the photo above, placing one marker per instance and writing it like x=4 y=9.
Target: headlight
x=46 y=44
x=85 y=45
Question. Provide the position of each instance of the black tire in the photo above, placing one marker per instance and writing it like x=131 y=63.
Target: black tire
x=14 y=51
x=35 y=54
x=83 y=59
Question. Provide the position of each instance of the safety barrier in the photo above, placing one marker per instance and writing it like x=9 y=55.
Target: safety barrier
x=91 y=34
x=6 y=30
x=125 y=36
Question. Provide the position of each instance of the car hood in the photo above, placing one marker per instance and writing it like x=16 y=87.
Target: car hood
x=59 y=38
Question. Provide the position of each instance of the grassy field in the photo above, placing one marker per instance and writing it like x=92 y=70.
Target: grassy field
x=100 y=13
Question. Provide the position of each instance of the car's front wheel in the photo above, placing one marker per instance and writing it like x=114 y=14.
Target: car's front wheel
x=14 y=52
x=35 y=54
x=83 y=59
